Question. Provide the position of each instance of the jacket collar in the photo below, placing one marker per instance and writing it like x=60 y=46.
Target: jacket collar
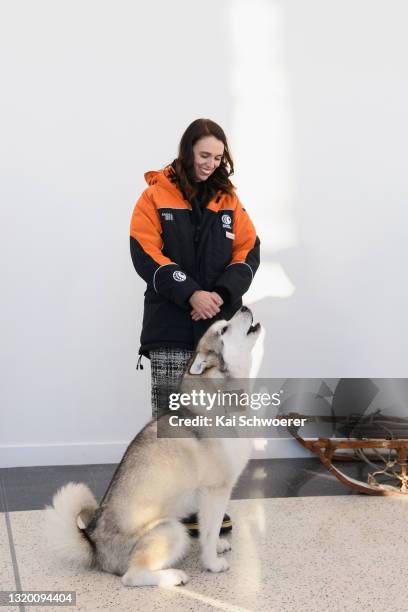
x=163 y=178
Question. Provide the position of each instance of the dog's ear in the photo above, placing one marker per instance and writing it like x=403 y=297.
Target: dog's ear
x=198 y=364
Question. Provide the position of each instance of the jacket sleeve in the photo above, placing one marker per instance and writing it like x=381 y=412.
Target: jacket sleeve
x=238 y=275
x=161 y=273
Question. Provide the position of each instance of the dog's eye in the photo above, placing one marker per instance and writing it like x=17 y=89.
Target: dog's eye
x=224 y=329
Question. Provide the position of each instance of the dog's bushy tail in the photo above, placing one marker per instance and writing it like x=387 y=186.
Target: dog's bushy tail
x=72 y=509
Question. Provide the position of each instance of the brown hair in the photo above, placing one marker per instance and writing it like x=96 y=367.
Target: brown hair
x=183 y=165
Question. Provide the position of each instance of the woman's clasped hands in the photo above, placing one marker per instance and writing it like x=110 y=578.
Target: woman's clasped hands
x=205 y=304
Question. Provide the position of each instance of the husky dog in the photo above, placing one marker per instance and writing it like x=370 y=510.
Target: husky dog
x=136 y=531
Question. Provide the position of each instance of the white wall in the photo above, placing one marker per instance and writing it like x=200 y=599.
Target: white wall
x=346 y=64
x=313 y=96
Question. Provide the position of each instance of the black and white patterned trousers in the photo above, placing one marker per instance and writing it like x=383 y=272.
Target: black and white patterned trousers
x=167 y=368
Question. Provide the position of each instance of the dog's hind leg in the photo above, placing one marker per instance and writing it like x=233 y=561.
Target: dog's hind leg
x=213 y=503
x=158 y=549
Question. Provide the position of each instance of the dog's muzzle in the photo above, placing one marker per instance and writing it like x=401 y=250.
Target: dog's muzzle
x=253 y=328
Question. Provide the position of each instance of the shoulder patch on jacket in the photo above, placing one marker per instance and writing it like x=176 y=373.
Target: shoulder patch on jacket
x=179 y=276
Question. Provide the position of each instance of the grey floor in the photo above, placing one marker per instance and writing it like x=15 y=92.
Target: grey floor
x=32 y=488
x=301 y=542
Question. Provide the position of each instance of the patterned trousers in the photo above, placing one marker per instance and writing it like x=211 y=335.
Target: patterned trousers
x=167 y=368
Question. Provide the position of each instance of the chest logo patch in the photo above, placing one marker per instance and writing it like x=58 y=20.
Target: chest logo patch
x=226 y=220
x=179 y=276
x=168 y=216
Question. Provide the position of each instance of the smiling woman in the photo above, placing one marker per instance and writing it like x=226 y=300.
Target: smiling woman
x=208 y=152
x=194 y=244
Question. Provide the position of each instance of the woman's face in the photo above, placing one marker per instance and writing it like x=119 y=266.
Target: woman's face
x=208 y=152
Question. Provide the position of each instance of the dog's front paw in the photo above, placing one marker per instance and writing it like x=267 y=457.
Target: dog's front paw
x=172 y=577
x=223 y=545
x=163 y=578
x=219 y=564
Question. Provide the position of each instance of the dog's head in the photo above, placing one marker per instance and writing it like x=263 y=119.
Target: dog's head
x=226 y=347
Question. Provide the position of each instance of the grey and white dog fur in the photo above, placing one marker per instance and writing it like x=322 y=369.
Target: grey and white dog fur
x=136 y=531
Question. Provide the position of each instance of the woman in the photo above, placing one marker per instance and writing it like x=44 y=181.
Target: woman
x=195 y=246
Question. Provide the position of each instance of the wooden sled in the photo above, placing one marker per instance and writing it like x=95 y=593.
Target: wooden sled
x=389 y=453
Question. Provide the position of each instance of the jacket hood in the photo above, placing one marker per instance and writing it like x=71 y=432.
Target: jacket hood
x=160 y=177
x=151 y=176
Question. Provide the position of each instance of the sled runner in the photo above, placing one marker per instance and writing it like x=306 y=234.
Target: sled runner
x=378 y=440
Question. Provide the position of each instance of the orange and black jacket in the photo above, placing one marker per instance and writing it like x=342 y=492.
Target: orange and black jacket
x=174 y=261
